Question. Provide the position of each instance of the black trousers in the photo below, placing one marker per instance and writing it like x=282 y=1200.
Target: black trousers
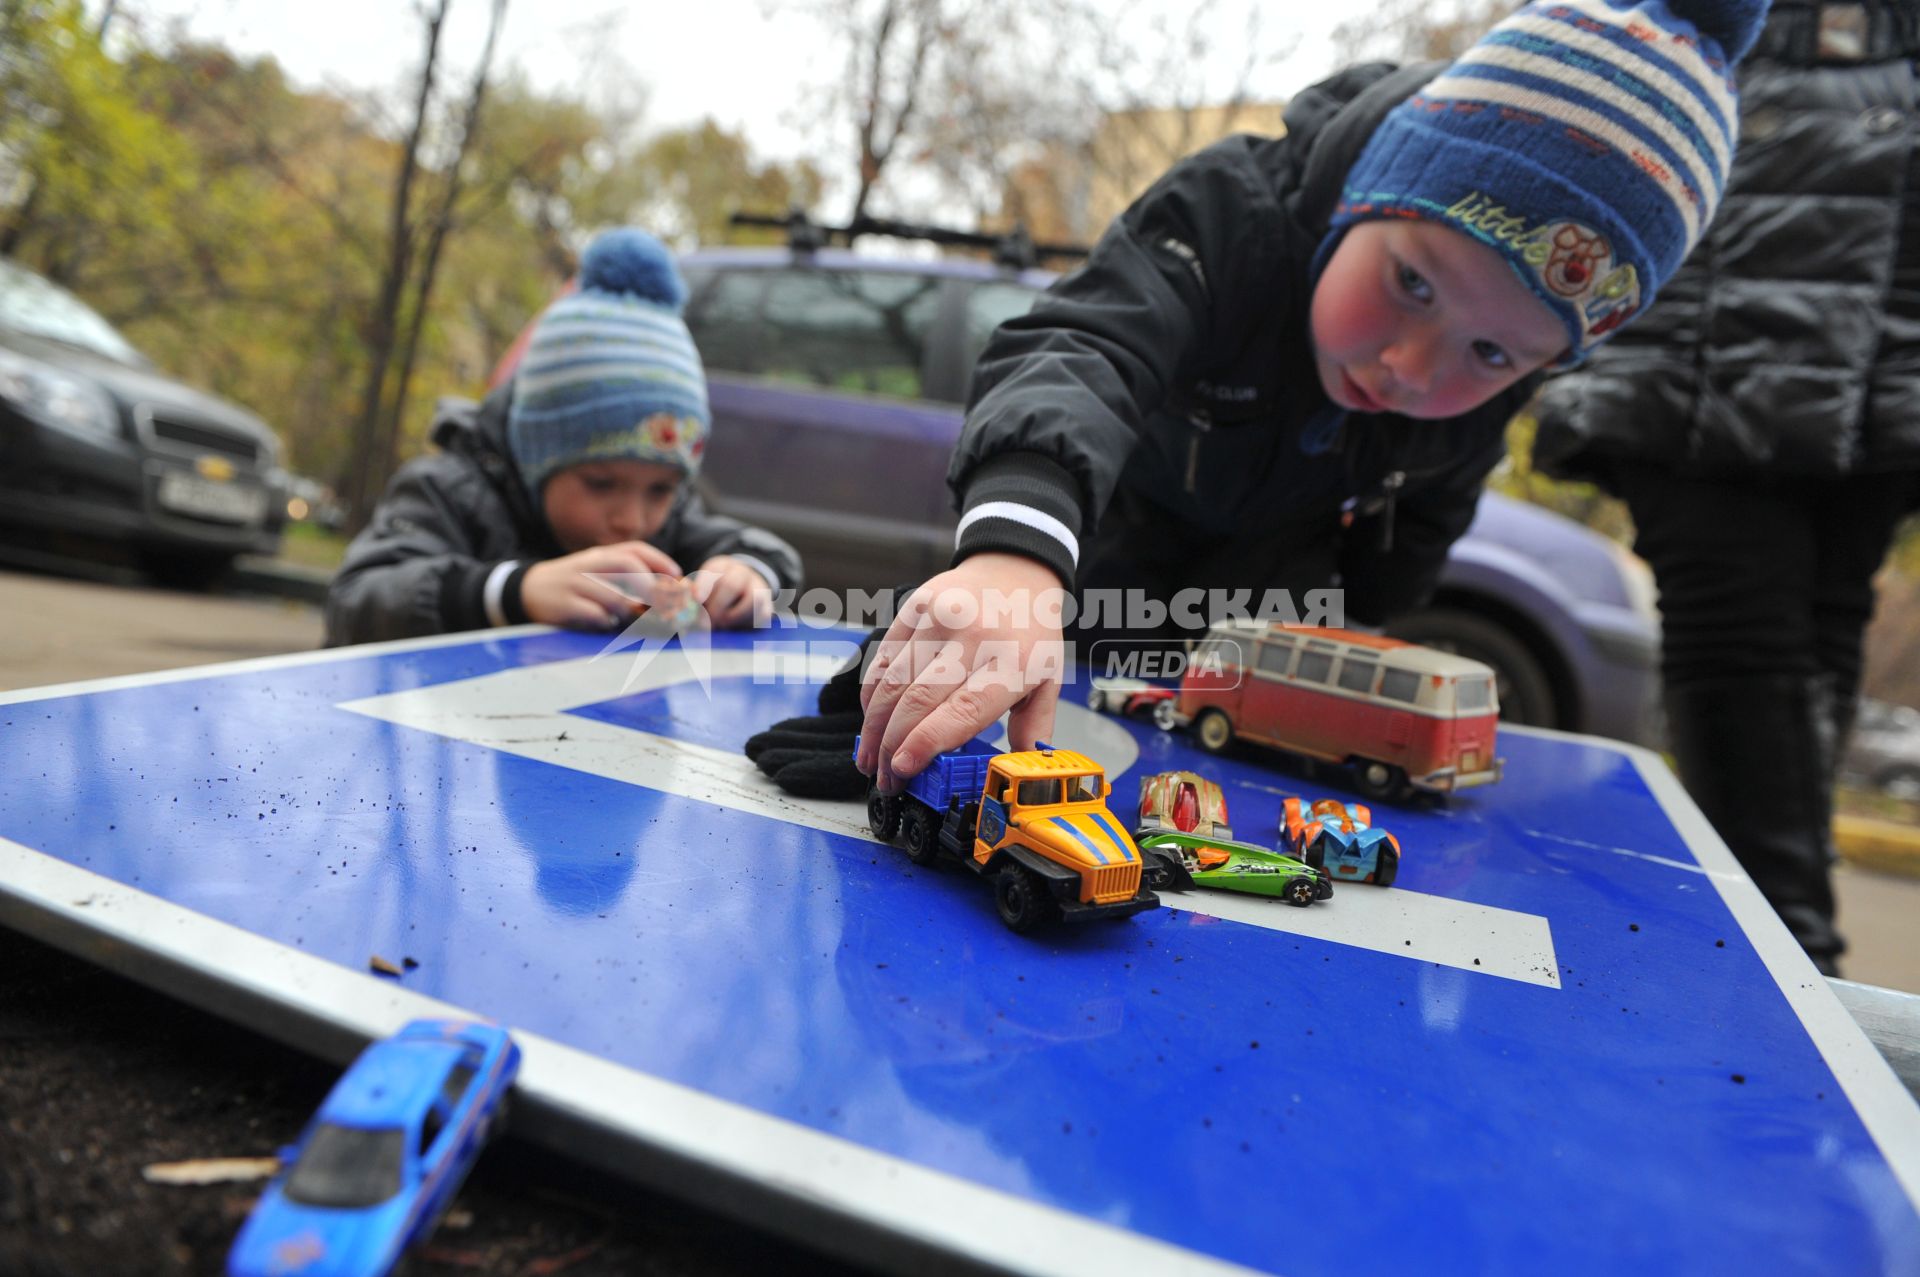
x=1766 y=588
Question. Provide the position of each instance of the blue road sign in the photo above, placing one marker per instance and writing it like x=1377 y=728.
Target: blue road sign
x=1572 y=1039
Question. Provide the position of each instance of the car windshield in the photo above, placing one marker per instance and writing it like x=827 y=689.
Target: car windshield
x=30 y=304
x=348 y=1166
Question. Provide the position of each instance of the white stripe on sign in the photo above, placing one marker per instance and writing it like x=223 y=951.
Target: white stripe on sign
x=1408 y=924
x=524 y=712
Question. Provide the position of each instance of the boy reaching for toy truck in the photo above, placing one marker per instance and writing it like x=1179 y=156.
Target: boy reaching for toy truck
x=1290 y=364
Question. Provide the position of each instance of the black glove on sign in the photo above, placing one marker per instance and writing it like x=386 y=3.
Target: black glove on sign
x=813 y=757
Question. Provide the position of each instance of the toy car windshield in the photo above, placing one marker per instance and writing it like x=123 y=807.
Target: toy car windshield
x=1082 y=789
x=1039 y=793
x=1473 y=693
x=348 y=1166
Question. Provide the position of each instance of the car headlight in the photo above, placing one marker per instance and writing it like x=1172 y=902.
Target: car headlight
x=58 y=398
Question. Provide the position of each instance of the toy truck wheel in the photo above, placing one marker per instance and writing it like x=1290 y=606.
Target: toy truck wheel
x=1161 y=871
x=1022 y=898
x=921 y=832
x=1097 y=701
x=1378 y=780
x=1317 y=852
x=1163 y=712
x=1387 y=868
x=883 y=815
x=1300 y=891
x=1214 y=730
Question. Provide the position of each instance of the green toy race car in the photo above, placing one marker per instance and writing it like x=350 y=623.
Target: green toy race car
x=1175 y=860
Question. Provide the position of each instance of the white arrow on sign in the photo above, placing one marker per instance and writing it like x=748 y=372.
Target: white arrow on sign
x=525 y=712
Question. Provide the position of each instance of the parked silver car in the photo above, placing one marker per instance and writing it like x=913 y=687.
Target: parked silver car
x=1885 y=751
x=100 y=446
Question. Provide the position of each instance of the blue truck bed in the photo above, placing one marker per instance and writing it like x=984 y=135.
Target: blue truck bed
x=961 y=771
x=949 y=775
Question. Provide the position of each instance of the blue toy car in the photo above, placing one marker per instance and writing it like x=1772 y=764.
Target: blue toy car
x=384 y=1156
x=1340 y=838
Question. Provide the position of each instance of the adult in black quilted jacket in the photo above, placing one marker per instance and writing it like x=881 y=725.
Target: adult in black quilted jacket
x=1762 y=422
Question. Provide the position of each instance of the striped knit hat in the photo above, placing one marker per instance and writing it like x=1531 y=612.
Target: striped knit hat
x=1587 y=141
x=610 y=372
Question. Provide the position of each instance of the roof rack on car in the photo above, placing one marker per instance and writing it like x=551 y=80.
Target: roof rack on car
x=1015 y=250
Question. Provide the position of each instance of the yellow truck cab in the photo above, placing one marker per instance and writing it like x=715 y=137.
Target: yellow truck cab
x=1055 y=801
x=1035 y=822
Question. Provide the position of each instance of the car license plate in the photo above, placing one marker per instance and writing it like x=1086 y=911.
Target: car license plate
x=185 y=493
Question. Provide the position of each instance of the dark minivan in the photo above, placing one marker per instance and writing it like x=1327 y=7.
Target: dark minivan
x=97 y=445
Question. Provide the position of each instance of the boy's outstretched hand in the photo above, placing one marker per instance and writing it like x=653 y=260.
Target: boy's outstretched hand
x=566 y=591
x=971 y=644
x=733 y=593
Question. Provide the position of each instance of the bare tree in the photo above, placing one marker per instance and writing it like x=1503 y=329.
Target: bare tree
x=973 y=90
x=415 y=236
x=436 y=232
x=368 y=473
x=892 y=50
x=1063 y=123
x=999 y=100
x=1155 y=104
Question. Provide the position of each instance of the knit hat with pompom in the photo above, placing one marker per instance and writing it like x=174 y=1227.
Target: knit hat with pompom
x=610 y=372
x=1586 y=141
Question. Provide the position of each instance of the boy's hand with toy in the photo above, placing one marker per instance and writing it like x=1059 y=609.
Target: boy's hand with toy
x=732 y=592
x=571 y=590
x=971 y=644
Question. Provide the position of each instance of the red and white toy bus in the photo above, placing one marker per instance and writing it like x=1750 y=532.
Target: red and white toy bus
x=1401 y=714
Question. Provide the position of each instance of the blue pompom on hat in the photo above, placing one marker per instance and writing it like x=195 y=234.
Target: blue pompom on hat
x=610 y=372
x=1587 y=141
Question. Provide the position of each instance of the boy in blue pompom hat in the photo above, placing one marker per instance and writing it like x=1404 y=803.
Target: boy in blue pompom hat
x=1289 y=365
x=568 y=483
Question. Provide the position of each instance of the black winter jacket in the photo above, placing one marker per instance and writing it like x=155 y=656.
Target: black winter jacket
x=1177 y=363
x=449 y=518
x=1789 y=343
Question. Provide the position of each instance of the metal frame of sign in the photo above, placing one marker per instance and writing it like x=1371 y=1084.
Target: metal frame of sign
x=828 y=1192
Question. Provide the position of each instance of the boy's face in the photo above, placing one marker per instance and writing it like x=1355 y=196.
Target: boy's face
x=606 y=502
x=1414 y=318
